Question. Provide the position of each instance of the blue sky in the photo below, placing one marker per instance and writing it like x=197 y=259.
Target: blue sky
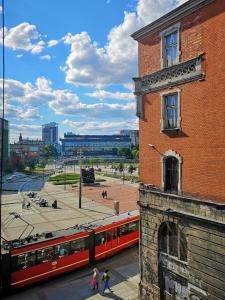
x=72 y=62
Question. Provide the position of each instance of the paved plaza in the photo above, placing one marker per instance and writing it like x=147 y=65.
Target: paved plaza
x=67 y=214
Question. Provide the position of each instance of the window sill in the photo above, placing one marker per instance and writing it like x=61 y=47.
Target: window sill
x=170 y=129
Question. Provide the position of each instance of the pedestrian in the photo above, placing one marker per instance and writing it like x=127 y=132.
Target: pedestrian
x=106 y=194
x=103 y=194
x=95 y=279
x=105 y=279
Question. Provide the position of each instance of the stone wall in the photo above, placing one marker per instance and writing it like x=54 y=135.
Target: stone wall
x=203 y=224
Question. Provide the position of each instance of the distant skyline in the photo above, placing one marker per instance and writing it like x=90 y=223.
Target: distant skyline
x=72 y=63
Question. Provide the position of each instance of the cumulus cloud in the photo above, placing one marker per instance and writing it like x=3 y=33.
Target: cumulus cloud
x=19 y=55
x=103 y=127
x=19 y=113
x=116 y=62
x=45 y=57
x=102 y=94
x=69 y=104
x=23 y=37
x=52 y=43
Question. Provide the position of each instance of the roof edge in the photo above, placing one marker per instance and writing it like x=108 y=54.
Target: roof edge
x=170 y=18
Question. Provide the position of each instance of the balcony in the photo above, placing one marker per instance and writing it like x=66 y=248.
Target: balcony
x=171 y=76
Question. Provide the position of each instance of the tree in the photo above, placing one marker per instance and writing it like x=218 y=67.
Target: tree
x=42 y=163
x=135 y=152
x=122 y=151
x=49 y=151
x=121 y=167
x=31 y=164
x=131 y=169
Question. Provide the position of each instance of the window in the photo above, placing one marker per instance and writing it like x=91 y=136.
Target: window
x=100 y=238
x=79 y=245
x=62 y=250
x=172 y=241
x=171 y=174
x=128 y=228
x=170 y=110
x=170 y=46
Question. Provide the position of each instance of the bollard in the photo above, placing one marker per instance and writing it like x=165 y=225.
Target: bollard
x=116 y=205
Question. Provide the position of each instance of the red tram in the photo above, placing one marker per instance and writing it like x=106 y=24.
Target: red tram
x=42 y=256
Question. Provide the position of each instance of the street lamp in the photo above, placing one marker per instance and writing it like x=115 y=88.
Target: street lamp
x=80 y=185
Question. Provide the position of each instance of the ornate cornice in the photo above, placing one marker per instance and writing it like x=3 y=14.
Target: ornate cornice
x=170 y=18
x=171 y=76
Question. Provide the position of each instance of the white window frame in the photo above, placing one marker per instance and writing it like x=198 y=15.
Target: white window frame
x=163 y=34
x=163 y=110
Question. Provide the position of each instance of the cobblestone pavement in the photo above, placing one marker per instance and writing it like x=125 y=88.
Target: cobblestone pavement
x=124 y=278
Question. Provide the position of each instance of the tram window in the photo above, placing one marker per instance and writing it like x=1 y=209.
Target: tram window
x=100 y=238
x=114 y=233
x=79 y=245
x=45 y=254
x=21 y=262
x=109 y=235
x=62 y=250
x=133 y=226
x=30 y=259
x=123 y=230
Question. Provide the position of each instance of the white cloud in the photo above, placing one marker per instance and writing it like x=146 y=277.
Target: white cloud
x=100 y=127
x=67 y=103
x=1 y=9
x=22 y=37
x=102 y=94
x=45 y=57
x=52 y=43
x=28 y=131
x=116 y=62
x=19 y=55
x=19 y=113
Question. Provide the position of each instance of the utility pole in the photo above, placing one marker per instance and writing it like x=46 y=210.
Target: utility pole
x=80 y=185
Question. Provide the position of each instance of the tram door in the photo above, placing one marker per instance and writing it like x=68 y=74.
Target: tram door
x=114 y=237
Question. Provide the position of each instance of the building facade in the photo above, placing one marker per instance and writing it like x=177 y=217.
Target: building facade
x=133 y=134
x=4 y=144
x=93 y=145
x=27 y=149
x=50 y=133
x=180 y=102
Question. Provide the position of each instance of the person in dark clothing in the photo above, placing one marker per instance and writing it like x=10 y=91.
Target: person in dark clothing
x=103 y=194
x=105 y=279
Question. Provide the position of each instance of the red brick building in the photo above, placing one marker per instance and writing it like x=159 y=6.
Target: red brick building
x=180 y=102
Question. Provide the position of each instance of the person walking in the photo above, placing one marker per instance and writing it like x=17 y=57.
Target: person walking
x=106 y=194
x=103 y=194
x=105 y=279
x=95 y=278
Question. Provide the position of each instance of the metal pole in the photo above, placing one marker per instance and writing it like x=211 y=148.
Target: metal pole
x=80 y=186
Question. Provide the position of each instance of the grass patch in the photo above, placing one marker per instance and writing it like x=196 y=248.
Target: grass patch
x=64 y=182
x=64 y=177
x=100 y=180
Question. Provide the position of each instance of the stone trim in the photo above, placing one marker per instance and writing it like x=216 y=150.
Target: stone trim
x=179 y=158
x=163 y=112
x=171 y=76
x=163 y=34
x=170 y=18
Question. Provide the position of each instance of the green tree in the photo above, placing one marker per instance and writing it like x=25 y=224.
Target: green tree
x=31 y=164
x=121 y=167
x=122 y=151
x=42 y=163
x=135 y=152
x=131 y=169
x=49 y=151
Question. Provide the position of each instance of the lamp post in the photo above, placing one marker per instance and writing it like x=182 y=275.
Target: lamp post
x=80 y=185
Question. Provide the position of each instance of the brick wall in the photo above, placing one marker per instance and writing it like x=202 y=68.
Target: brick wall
x=201 y=140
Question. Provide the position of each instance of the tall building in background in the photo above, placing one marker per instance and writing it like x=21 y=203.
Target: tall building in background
x=50 y=133
x=133 y=134
x=180 y=102
x=4 y=128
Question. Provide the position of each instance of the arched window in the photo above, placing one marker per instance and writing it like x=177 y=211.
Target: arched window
x=171 y=172
x=172 y=241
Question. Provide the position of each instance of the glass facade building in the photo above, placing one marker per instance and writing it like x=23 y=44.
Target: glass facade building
x=93 y=144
